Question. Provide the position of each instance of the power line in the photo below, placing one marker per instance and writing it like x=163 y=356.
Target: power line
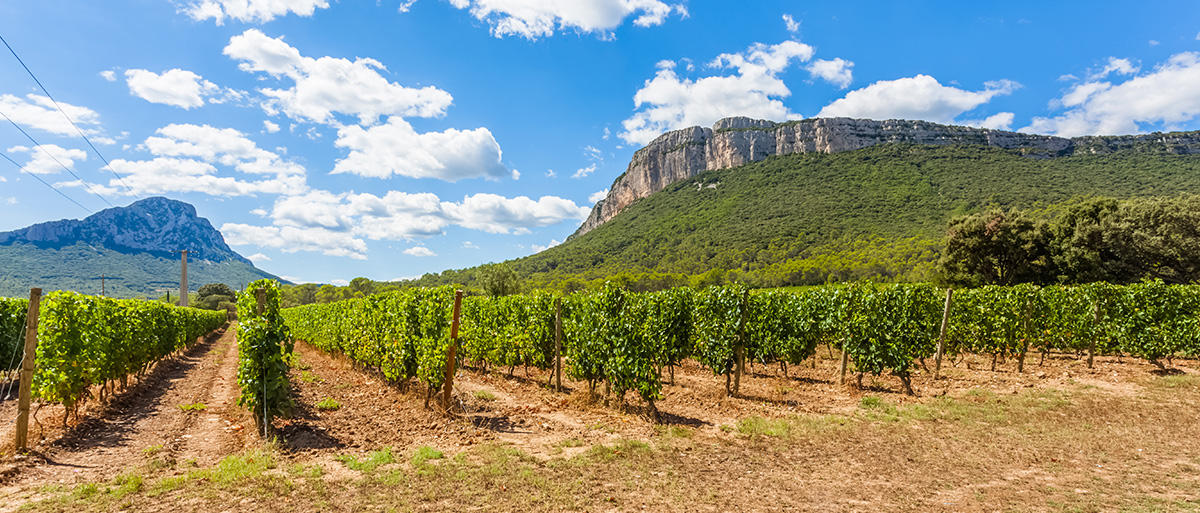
x=39 y=146
x=64 y=113
x=61 y=193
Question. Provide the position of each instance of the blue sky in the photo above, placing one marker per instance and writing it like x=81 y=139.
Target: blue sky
x=335 y=139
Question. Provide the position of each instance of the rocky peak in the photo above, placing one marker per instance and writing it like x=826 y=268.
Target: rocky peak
x=154 y=225
x=731 y=142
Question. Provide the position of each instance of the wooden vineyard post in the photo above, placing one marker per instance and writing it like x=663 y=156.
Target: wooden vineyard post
x=941 y=347
x=1095 y=334
x=27 y=364
x=558 y=344
x=260 y=297
x=1025 y=339
x=844 y=364
x=739 y=352
x=448 y=385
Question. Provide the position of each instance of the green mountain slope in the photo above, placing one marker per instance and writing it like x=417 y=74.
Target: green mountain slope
x=78 y=267
x=806 y=218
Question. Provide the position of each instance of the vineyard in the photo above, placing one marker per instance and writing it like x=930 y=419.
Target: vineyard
x=752 y=379
x=628 y=341
x=87 y=342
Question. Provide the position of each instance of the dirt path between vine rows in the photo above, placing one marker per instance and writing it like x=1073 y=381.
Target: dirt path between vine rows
x=182 y=414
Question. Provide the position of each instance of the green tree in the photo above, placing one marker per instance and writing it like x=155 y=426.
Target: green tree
x=498 y=279
x=996 y=247
x=1103 y=239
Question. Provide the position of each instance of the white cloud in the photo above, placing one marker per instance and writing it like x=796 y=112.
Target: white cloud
x=1167 y=95
x=340 y=283
x=793 y=26
x=469 y=245
x=270 y=127
x=259 y=257
x=420 y=251
x=185 y=160
x=340 y=224
x=250 y=11
x=532 y=19
x=109 y=75
x=46 y=159
x=516 y=175
x=597 y=196
x=1153 y=43
x=1115 y=65
x=999 y=121
x=551 y=174
x=328 y=85
x=920 y=97
x=669 y=102
x=176 y=87
x=394 y=148
x=836 y=71
x=290 y=239
x=39 y=112
x=584 y=172
x=538 y=248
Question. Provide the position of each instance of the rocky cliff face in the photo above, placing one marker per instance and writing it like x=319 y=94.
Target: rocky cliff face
x=732 y=142
x=153 y=225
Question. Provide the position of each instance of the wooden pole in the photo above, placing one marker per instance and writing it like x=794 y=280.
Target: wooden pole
x=1095 y=323
x=845 y=362
x=260 y=294
x=740 y=351
x=101 y=284
x=448 y=384
x=558 y=344
x=183 y=289
x=1025 y=338
x=941 y=347
x=27 y=365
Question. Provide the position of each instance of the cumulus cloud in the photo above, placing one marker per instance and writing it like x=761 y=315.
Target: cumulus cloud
x=259 y=257
x=49 y=159
x=597 y=196
x=394 y=148
x=793 y=26
x=109 y=75
x=328 y=85
x=533 y=19
x=836 y=71
x=185 y=159
x=420 y=251
x=538 y=248
x=38 y=112
x=250 y=11
x=999 y=121
x=920 y=97
x=584 y=172
x=396 y=215
x=1166 y=96
x=290 y=239
x=669 y=101
x=270 y=127
x=176 y=87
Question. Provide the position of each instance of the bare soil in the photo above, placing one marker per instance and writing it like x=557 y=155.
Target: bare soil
x=145 y=425
x=1057 y=437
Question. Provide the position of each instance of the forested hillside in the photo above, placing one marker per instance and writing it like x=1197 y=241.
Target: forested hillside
x=810 y=218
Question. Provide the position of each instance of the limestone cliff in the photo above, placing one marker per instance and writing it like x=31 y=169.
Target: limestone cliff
x=732 y=142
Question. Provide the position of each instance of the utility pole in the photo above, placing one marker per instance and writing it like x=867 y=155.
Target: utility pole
x=183 y=290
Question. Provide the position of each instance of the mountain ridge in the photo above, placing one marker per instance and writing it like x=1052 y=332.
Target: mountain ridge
x=122 y=252
x=155 y=225
x=731 y=142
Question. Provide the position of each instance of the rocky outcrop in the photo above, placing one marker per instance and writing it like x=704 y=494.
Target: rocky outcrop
x=154 y=225
x=731 y=142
